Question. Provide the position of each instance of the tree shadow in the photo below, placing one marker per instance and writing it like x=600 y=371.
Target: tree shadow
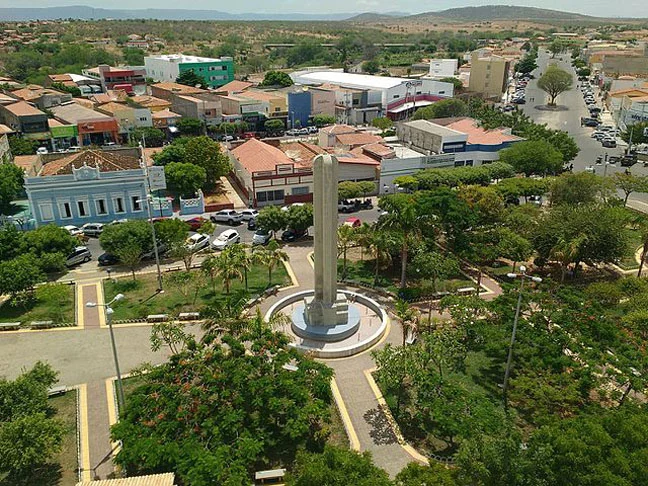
x=46 y=475
x=381 y=431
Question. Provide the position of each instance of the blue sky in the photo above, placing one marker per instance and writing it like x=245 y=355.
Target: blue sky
x=630 y=8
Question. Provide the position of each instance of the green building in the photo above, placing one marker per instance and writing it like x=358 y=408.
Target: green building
x=167 y=67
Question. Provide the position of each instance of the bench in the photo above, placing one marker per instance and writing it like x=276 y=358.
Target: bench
x=157 y=318
x=57 y=390
x=273 y=476
x=9 y=326
x=466 y=291
x=271 y=291
x=188 y=316
x=41 y=324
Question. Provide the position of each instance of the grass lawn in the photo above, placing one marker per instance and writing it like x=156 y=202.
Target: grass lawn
x=338 y=436
x=629 y=262
x=388 y=279
x=51 y=302
x=190 y=295
x=65 y=406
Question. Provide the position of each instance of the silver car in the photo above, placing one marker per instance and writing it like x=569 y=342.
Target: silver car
x=228 y=216
x=80 y=254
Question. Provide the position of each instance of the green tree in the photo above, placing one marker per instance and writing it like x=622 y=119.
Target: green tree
x=638 y=132
x=22 y=146
x=184 y=179
x=345 y=238
x=47 y=242
x=629 y=183
x=73 y=90
x=226 y=266
x=382 y=122
x=533 y=157
x=580 y=188
x=349 y=190
x=556 y=47
x=204 y=152
x=513 y=246
x=322 y=120
x=151 y=137
x=555 y=81
x=190 y=78
x=171 y=232
x=133 y=56
x=235 y=390
x=277 y=78
x=11 y=241
x=190 y=126
x=29 y=435
x=19 y=275
x=11 y=184
x=171 y=153
x=130 y=240
x=442 y=109
x=434 y=474
x=522 y=187
x=272 y=218
x=274 y=127
x=434 y=266
x=336 y=466
x=271 y=256
x=457 y=83
x=371 y=67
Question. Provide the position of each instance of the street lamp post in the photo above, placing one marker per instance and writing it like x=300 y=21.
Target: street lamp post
x=522 y=276
x=109 y=312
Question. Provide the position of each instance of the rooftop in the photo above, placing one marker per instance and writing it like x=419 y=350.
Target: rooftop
x=348 y=79
x=4 y=129
x=105 y=161
x=150 y=101
x=338 y=129
x=478 y=136
x=114 y=107
x=22 y=108
x=34 y=91
x=301 y=152
x=235 y=86
x=360 y=138
x=430 y=127
x=27 y=163
x=162 y=114
x=261 y=95
x=74 y=113
x=183 y=58
x=257 y=156
x=179 y=88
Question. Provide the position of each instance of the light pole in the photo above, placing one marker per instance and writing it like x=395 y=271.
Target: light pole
x=522 y=276
x=109 y=312
x=605 y=167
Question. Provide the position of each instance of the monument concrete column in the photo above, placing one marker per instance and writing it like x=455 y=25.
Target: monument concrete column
x=325 y=174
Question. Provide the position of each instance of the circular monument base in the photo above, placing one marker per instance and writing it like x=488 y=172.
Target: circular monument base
x=337 y=332
x=372 y=324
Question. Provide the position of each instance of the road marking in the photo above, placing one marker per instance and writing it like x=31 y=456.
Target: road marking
x=291 y=274
x=101 y=300
x=346 y=419
x=112 y=412
x=390 y=419
x=84 y=433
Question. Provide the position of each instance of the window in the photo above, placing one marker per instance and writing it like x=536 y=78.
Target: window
x=46 y=212
x=83 y=211
x=441 y=92
x=135 y=201
x=223 y=68
x=279 y=195
x=66 y=211
x=396 y=96
x=299 y=191
x=469 y=163
x=261 y=196
x=119 y=205
x=101 y=206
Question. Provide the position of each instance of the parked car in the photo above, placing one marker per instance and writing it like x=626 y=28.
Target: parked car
x=92 y=229
x=80 y=254
x=629 y=160
x=303 y=131
x=41 y=150
x=535 y=200
x=293 y=235
x=346 y=206
x=288 y=206
x=248 y=214
x=197 y=242
x=229 y=216
x=225 y=239
x=589 y=122
x=313 y=129
x=292 y=132
x=353 y=222
x=106 y=259
x=119 y=221
x=251 y=224
x=609 y=143
x=262 y=237
x=196 y=223
x=73 y=230
x=162 y=249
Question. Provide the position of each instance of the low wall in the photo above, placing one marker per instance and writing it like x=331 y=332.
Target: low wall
x=212 y=208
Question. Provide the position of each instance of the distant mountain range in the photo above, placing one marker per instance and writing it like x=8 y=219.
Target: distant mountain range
x=91 y=13
x=486 y=12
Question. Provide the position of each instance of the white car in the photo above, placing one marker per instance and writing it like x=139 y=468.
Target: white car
x=262 y=237
x=73 y=230
x=92 y=229
x=288 y=206
x=197 y=242
x=248 y=214
x=225 y=239
x=41 y=150
x=228 y=216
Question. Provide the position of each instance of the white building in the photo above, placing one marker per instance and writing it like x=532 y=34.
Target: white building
x=408 y=161
x=167 y=67
x=443 y=68
x=393 y=97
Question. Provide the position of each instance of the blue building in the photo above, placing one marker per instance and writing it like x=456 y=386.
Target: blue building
x=88 y=186
x=299 y=107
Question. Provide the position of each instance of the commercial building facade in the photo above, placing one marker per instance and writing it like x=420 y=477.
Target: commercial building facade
x=131 y=79
x=166 y=68
x=488 y=75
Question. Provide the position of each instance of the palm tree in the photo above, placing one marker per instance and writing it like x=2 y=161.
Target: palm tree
x=271 y=256
x=227 y=267
x=566 y=252
x=345 y=237
x=208 y=267
x=404 y=219
x=408 y=316
x=380 y=243
x=244 y=260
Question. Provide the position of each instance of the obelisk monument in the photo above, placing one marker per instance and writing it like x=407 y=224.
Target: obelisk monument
x=327 y=307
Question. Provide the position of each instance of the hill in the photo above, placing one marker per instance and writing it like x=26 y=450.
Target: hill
x=90 y=13
x=501 y=12
x=377 y=17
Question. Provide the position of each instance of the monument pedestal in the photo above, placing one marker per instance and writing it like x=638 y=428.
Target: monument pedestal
x=318 y=313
